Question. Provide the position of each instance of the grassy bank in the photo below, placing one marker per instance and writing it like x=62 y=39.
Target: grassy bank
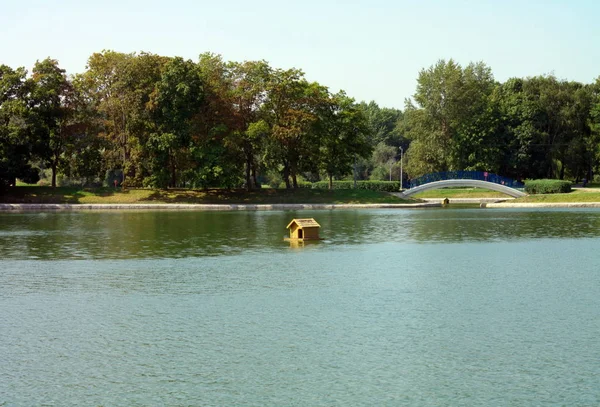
x=29 y=194
x=577 y=195
x=460 y=193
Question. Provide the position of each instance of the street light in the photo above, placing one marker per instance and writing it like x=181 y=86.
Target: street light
x=401 y=177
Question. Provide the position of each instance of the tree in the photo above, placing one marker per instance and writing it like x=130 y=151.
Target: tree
x=547 y=127
x=343 y=135
x=248 y=94
x=384 y=157
x=51 y=113
x=382 y=123
x=215 y=146
x=175 y=101
x=291 y=111
x=120 y=87
x=16 y=139
x=453 y=127
x=594 y=123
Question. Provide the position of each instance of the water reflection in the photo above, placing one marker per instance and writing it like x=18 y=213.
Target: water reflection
x=163 y=234
x=394 y=307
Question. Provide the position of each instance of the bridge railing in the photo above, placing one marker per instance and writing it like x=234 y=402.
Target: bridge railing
x=476 y=175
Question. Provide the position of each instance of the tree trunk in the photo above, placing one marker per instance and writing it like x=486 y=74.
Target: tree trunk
x=173 y=174
x=248 y=164
x=295 y=181
x=330 y=182
x=286 y=176
x=562 y=171
x=254 y=180
x=53 y=175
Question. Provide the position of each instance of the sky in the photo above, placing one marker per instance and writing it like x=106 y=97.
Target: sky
x=373 y=50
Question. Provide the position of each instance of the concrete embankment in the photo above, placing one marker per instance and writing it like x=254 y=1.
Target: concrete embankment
x=7 y=207
x=543 y=205
x=468 y=200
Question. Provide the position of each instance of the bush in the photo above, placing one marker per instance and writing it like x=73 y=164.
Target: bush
x=383 y=186
x=111 y=176
x=305 y=184
x=547 y=186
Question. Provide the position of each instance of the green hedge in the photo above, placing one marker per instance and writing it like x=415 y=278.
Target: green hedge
x=383 y=186
x=547 y=186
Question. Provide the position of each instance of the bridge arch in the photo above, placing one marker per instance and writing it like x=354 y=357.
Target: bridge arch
x=464 y=183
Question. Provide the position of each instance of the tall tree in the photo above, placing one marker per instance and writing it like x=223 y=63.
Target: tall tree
x=120 y=86
x=456 y=128
x=52 y=113
x=248 y=94
x=382 y=123
x=343 y=135
x=16 y=140
x=547 y=123
x=291 y=111
x=176 y=100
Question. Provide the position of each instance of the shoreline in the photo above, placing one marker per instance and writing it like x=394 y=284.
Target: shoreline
x=508 y=203
x=467 y=200
x=491 y=203
x=6 y=207
x=524 y=205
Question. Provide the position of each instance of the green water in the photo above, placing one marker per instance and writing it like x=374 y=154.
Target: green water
x=439 y=307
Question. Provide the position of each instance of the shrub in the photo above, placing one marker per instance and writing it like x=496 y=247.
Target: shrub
x=305 y=184
x=383 y=186
x=547 y=186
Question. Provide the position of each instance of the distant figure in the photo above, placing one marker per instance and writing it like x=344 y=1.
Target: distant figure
x=116 y=183
x=584 y=182
x=485 y=175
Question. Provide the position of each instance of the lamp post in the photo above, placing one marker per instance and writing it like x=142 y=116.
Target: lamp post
x=401 y=175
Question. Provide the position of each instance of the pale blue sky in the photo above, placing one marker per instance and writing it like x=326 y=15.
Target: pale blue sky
x=372 y=49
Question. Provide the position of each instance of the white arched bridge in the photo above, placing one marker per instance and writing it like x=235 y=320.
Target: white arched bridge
x=478 y=179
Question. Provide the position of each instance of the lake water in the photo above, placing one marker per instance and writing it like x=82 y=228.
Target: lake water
x=437 y=307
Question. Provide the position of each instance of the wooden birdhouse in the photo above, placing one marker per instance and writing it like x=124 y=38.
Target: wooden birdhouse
x=303 y=229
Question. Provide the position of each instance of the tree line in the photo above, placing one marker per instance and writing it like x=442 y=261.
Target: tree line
x=145 y=120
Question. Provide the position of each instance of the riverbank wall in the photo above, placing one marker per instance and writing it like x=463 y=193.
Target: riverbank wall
x=543 y=205
x=467 y=200
x=7 y=207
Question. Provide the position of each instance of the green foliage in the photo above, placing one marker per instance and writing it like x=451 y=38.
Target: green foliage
x=111 y=176
x=547 y=186
x=382 y=186
x=382 y=123
x=166 y=122
x=454 y=125
x=343 y=134
x=17 y=143
x=72 y=195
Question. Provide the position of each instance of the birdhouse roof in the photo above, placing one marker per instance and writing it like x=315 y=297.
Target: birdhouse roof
x=304 y=223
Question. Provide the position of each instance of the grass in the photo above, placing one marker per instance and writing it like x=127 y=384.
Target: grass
x=577 y=195
x=460 y=193
x=36 y=194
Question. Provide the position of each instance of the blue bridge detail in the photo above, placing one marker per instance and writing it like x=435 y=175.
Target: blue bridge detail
x=466 y=175
x=478 y=179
